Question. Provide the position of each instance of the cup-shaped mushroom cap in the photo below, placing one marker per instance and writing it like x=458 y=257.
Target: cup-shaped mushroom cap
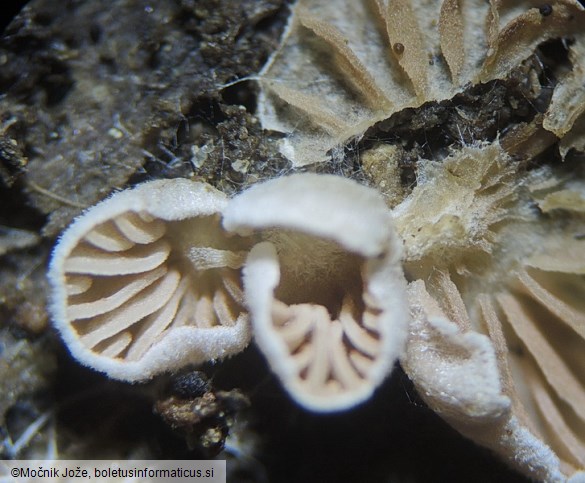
x=325 y=288
x=148 y=280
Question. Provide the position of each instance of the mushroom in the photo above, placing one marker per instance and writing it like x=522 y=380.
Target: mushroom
x=462 y=374
x=344 y=66
x=325 y=288
x=148 y=280
x=496 y=258
x=506 y=368
x=543 y=314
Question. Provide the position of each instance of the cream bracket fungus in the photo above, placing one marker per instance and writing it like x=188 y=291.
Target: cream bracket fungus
x=325 y=288
x=148 y=280
x=345 y=65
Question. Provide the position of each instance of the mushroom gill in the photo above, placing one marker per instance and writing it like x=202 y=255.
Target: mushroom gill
x=148 y=280
x=345 y=65
x=325 y=289
x=453 y=217
x=529 y=300
x=543 y=316
x=565 y=116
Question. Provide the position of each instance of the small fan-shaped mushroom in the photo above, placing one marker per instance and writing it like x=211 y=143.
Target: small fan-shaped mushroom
x=345 y=65
x=147 y=280
x=325 y=289
x=535 y=320
x=465 y=377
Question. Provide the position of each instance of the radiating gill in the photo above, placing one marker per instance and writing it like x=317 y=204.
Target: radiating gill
x=136 y=229
x=89 y=260
x=145 y=303
x=121 y=289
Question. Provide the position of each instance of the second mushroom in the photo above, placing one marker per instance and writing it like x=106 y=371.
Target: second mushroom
x=325 y=288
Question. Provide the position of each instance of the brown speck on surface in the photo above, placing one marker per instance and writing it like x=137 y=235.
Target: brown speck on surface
x=398 y=48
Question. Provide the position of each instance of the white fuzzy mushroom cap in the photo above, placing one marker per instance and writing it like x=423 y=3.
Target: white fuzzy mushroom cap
x=325 y=289
x=322 y=205
x=147 y=281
